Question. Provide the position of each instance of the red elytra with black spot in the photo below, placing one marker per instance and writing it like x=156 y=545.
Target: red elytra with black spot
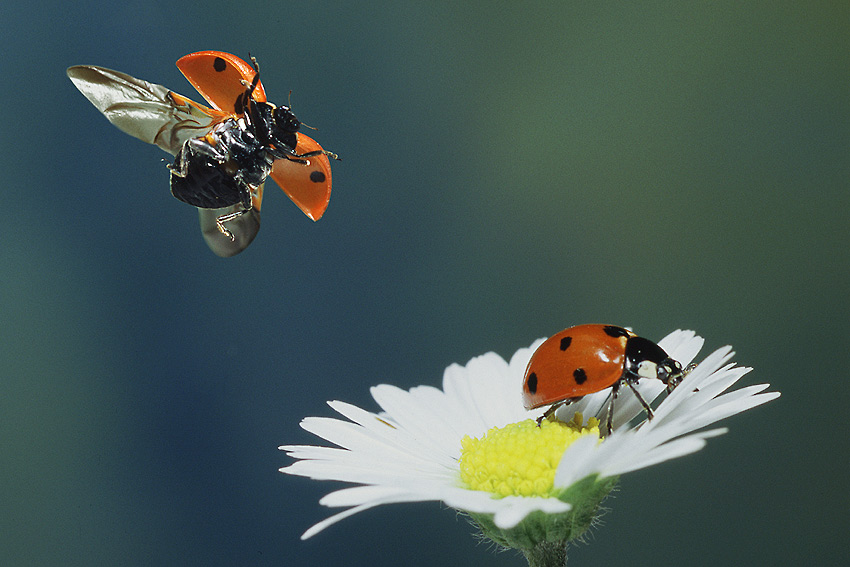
x=577 y=361
x=585 y=359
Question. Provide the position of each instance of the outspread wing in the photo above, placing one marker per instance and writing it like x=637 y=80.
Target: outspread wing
x=145 y=110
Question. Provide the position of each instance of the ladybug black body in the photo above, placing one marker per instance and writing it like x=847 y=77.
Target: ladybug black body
x=219 y=169
x=585 y=359
x=227 y=165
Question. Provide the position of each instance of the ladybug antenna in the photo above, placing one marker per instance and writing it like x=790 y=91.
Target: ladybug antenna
x=254 y=63
x=255 y=81
x=289 y=104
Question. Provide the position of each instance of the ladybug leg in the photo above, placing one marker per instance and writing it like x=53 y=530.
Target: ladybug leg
x=640 y=399
x=219 y=222
x=203 y=147
x=188 y=153
x=552 y=409
x=298 y=158
x=194 y=147
x=676 y=380
x=282 y=152
x=615 y=390
x=247 y=208
x=317 y=153
x=180 y=167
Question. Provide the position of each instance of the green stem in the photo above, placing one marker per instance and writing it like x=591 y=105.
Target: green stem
x=547 y=554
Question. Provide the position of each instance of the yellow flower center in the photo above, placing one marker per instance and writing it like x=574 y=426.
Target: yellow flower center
x=520 y=459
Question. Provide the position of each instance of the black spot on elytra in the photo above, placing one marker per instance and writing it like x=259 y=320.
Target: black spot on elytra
x=317 y=176
x=580 y=376
x=219 y=64
x=565 y=343
x=531 y=383
x=614 y=331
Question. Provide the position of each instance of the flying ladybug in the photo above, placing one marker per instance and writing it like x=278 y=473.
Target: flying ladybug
x=223 y=154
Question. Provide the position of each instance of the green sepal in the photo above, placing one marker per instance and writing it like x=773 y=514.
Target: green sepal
x=538 y=528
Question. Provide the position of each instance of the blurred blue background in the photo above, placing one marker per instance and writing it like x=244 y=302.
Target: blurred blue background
x=506 y=172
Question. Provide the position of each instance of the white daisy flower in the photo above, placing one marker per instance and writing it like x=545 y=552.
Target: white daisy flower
x=473 y=446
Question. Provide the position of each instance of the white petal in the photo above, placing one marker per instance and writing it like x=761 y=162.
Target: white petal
x=665 y=452
x=363 y=442
x=627 y=406
x=343 y=515
x=727 y=406
x=682 y=346
x=415 y=421
x=359 y=495
x=311 y=452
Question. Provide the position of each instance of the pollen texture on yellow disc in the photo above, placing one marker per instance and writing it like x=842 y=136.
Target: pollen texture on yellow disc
x=520 y=459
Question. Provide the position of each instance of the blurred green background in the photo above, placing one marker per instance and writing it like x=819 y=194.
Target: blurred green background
x=507 y=172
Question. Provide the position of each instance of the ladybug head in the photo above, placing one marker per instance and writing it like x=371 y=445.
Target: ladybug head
x=670 y=372
x=285 y=120
x=645 y=359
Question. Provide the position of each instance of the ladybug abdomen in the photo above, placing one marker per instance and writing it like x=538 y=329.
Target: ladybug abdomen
x=205 y=184
x=577 y=361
